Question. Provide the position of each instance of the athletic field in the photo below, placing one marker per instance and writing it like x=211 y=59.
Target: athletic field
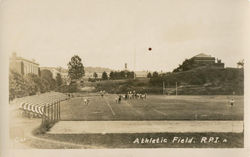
x=155 y=107
x=103 y=123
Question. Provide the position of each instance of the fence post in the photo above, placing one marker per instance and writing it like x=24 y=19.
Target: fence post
x=43 y=115
x=51 y=111
x=55 y=111
x=59 y=111
x=52 y=114
x=54 y=108
x=57 y=117
x=45 y=112
x=48 y=117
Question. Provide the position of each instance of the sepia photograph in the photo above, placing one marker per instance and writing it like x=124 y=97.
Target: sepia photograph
x=123 y=74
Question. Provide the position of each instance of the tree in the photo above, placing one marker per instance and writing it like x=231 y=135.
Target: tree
x=149 y=75
x=156 y=79
x=155 y=74
x=34 y=83
x=95 y=75
x=32 y=87
x=47 y=78
x=116 y=75
x=30 y=84
x=104 y=75
x=17 y=85
x=39 y=72
x=75 y=68
x=58 y=80
x=122 y=75
x=130 y=74
x=112 y=75
x=186 y=65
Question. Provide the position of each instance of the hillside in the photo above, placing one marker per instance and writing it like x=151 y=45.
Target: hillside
x=205 y=81
x=199 y=81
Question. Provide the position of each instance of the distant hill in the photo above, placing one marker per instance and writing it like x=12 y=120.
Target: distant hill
x=97 y=69
x=87 y=69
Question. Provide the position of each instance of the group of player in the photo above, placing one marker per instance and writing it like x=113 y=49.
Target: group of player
x=130 y=95
x=133 y=95
x=87 y=100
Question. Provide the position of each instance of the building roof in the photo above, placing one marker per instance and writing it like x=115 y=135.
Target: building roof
x=203 y=55
x=23 y=59
x=58 y=69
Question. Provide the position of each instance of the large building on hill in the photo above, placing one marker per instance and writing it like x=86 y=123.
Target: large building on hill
x=207 y=60
x=91 y=75
x=141 y=74
x=57 y=70
x=23 y=66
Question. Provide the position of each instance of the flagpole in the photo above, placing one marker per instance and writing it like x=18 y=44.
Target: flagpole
x=134 y=60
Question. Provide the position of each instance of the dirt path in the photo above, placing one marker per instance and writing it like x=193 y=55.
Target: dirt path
x=97 y=127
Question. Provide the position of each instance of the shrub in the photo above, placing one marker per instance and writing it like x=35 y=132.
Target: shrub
x=67 y=88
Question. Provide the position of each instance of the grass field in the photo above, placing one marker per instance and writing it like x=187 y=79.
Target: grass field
x=155 y=107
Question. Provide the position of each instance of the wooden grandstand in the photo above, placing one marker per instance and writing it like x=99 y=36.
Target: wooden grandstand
x=45 y=106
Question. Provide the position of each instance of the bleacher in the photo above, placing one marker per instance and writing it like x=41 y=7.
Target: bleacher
x=34 y=105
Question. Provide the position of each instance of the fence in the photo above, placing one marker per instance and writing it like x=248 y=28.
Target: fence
x=51 y=112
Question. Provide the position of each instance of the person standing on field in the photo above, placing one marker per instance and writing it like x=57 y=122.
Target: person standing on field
x=231 y=102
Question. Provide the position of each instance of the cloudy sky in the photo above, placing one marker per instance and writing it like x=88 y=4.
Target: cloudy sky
x=108 y=33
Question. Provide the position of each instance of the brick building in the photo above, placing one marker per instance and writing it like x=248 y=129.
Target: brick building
x=23 y=66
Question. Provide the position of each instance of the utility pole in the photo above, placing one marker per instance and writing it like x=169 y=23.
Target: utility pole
x=134 y=43
x=176 y=88
x=134 y=61
x=163 y=88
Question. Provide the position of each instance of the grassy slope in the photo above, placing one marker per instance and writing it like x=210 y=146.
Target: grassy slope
x=123 y=86
x=208 y=81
